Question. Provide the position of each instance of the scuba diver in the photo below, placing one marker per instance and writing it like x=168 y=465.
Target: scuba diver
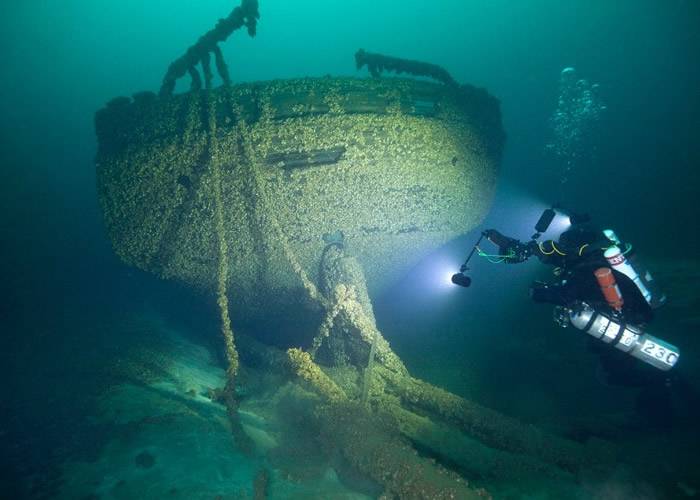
x=601 y=288
x=593 y=268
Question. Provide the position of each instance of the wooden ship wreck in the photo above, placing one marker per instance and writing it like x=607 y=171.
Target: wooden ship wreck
x=296 y=201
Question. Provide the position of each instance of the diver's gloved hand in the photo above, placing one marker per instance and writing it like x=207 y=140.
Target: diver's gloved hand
x=518 y=252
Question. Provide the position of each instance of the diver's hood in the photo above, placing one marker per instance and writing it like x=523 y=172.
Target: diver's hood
x=580 y=234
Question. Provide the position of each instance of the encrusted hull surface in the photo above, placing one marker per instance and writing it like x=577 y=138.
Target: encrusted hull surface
x=400 y=166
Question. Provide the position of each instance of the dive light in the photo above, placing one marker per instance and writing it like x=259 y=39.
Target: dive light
x=543 y=224
x=461 y=280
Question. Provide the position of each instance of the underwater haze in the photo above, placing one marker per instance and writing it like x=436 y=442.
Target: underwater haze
x=244 y=291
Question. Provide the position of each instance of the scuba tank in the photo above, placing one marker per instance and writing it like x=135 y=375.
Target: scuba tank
x=627 y=338
x=619 y=262
x=630 y=266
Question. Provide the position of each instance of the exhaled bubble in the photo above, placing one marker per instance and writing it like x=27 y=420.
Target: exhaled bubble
x=575 y=122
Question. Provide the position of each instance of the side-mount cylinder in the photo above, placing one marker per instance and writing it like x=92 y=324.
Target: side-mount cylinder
x=627 y=338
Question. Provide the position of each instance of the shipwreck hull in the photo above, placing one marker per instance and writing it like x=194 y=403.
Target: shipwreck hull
x=399 y=166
